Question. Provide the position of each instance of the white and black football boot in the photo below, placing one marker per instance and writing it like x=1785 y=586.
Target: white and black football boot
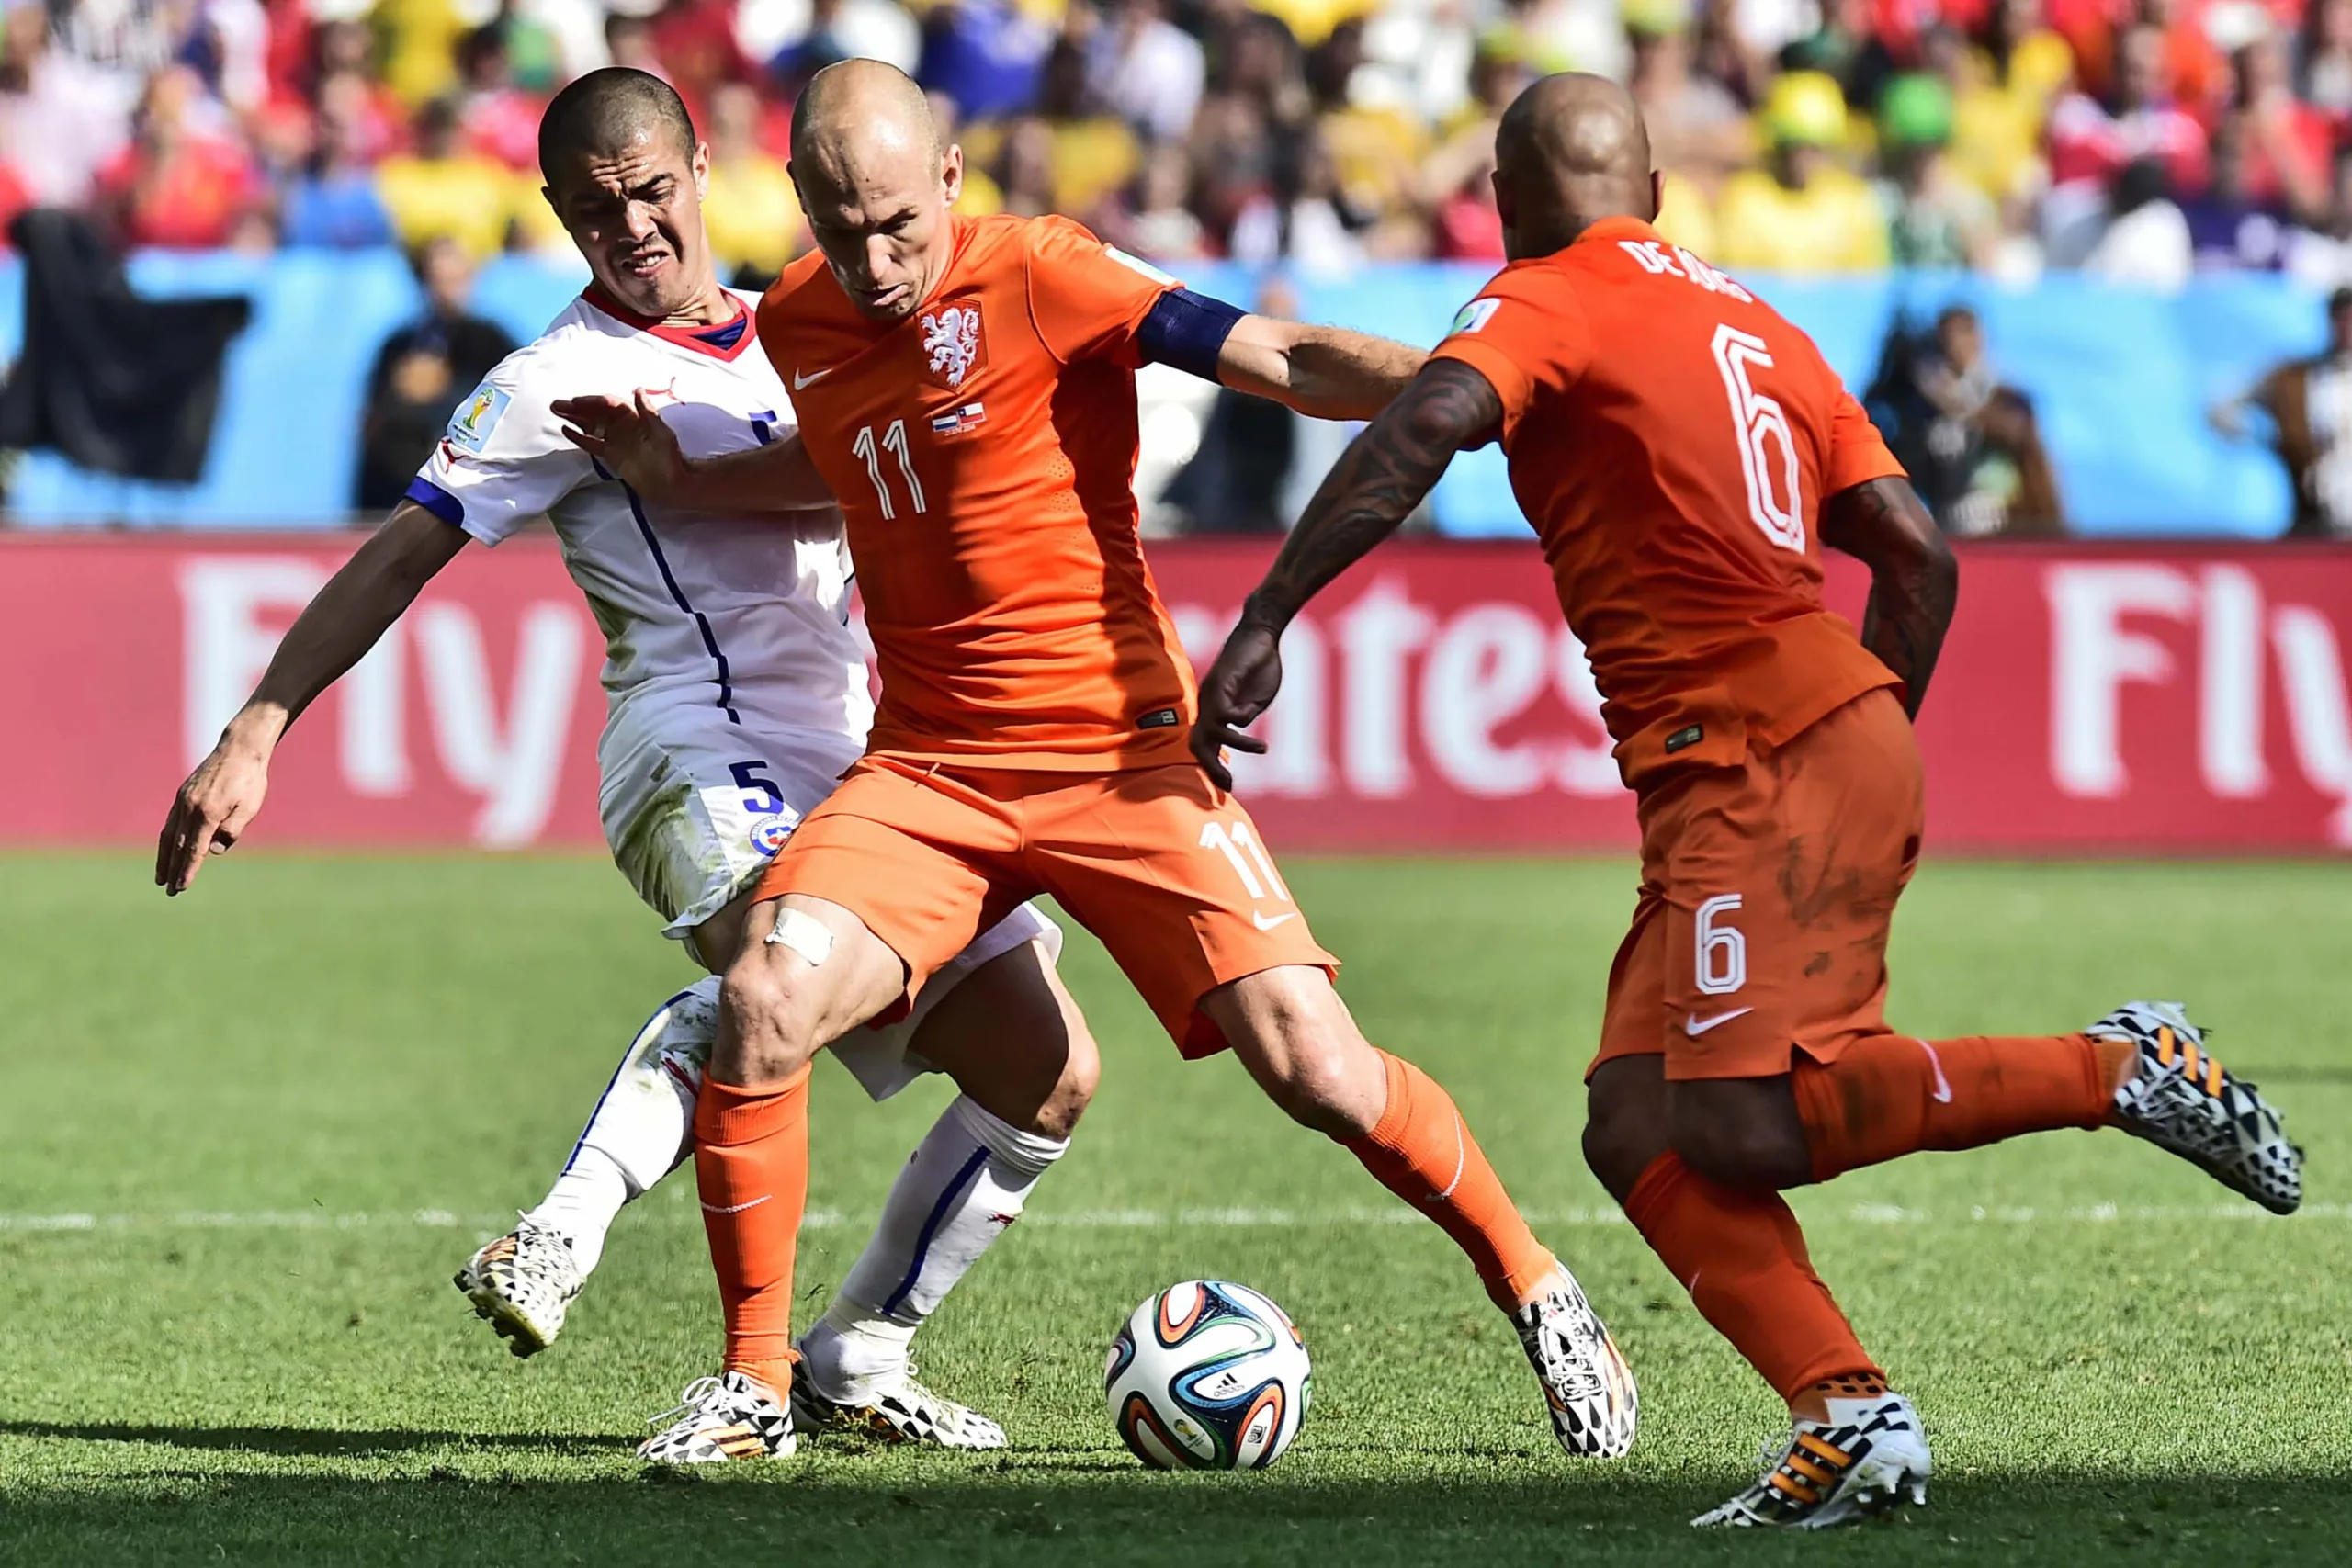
x=1587 y=1387
x=720 y=1420
x=1871 y=1456
x=892 y=1407
x=523 y=1282
x=2180 y=1099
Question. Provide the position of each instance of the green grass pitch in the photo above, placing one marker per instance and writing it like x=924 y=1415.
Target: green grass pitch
x=246 y=1137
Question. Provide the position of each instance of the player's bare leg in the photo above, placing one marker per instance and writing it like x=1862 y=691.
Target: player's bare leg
x=1015 y=1042
x=1296 y=1038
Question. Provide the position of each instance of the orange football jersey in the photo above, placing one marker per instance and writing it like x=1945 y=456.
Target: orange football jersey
x=1672 y=438
x=984 y=453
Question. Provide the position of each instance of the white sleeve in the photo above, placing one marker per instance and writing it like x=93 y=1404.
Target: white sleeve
x=503 y=459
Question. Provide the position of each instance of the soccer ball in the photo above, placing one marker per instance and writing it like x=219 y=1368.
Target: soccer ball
x=1207 y=1376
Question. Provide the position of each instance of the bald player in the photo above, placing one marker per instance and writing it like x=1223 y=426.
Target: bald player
x=1684 y=453
x=967 y=388
x=737 y=694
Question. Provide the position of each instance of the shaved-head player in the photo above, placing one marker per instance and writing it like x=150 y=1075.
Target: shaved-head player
x=737 y=694
x=1684 y=453
x=967 y=388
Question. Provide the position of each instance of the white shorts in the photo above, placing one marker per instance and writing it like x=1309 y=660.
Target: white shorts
x=693 y=810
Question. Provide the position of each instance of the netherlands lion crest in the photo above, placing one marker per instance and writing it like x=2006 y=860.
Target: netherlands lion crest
x=951 y=342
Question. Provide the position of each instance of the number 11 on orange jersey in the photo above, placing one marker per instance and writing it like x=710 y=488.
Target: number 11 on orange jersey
x=1250 y=862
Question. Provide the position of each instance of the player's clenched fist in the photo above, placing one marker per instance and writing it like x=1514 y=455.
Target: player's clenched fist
x=211 y=808
x=1238 y=688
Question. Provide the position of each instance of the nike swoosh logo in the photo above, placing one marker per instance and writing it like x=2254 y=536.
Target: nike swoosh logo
x=1266 y=925
x=800 y=380
x=1694 y=1026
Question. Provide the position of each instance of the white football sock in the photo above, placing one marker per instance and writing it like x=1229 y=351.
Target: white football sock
x=641 y=1127
x=966 y=1182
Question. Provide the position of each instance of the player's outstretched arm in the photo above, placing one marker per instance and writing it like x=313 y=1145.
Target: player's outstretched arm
x=357 y=604
x=1914 y=580
x=639 y=448
x=1328 y=372
x=1374 y=486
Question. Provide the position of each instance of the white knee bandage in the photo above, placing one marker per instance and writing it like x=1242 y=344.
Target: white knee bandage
x=804 y=934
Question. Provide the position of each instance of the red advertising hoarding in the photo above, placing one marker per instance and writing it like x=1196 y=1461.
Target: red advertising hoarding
x=2103 y=699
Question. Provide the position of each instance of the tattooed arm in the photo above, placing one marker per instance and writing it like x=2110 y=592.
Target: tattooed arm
x=1914 y=581
x=1373 y=487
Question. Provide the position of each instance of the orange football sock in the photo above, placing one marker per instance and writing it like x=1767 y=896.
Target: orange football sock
x=1889 y=1095
x=1743 y=1259
x=752 y=1164
x=1423 y=1152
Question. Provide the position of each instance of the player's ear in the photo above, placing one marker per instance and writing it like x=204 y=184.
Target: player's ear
x=701 y=168
x=1657 y=193
x=951 y=172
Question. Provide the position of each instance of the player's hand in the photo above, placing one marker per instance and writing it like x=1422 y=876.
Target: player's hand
x=629 y=439
x=210 y=812
x=1238 y=688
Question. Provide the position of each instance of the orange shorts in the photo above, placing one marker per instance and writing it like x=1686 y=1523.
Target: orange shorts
x=1160 y=865
x=1768 y=891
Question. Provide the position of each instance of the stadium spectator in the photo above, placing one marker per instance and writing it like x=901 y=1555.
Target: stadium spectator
x=1150 y=68
x=443 y=189
x=2320 y=257
x=1697 y=127
x=985 y=55
x=1802 y=212
x=2282 y=146
x=2091 y=139
x=495 y=118
x=420 y=372
x=2230 y=227
x=61 y=119
x=333 y=202
x=418 y=44
x=1161 y=224
x=183 y=182
x=751 y=213
x=1972 y=445
x=2143 y=238
x=629 y=41
x=799 y=37
x=2309 y=405
x=1937 y=218
x=348 y=84
x=1300 y=220
x=2324 y=62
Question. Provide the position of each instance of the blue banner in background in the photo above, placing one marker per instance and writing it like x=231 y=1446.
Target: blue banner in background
x=2122 y=380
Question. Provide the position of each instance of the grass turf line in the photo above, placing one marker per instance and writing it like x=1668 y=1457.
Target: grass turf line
x=396 y=1036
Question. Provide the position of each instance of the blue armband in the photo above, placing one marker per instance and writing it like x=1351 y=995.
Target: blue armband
x=1188 y=330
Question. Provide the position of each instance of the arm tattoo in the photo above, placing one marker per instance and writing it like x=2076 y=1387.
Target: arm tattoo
x=1376 y=483
x=1914 y=581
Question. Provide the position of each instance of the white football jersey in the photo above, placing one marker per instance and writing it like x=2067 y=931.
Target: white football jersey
x=744 y=617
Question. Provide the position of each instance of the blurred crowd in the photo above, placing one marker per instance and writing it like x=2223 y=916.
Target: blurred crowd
x=2138 y=139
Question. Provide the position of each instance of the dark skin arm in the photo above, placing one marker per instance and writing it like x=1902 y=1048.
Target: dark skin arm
x=1914 y=581
x=1375 y=485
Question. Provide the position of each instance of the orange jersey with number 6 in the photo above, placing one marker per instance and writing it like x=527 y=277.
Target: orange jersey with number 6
x=983 y=450
x=1672 y=438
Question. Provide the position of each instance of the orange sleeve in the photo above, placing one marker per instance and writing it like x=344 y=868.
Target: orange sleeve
x=1523 y=337
x=1858 y=453
x=1086 y=297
